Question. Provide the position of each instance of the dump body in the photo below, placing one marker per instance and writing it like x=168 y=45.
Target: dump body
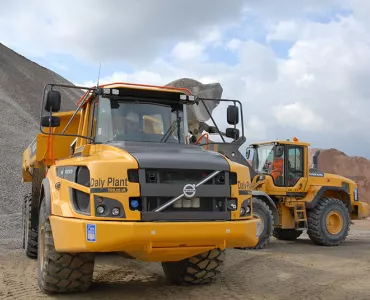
x=39 y=153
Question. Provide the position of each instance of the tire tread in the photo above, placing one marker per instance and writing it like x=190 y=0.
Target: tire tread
x=200 y=269
x=315 y=230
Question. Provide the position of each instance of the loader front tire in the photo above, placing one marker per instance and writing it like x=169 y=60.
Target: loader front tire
x=60 y=272
x=199 y=269
x=29 y=233
x=328 y=222
x=286 y=234
x=263 y=212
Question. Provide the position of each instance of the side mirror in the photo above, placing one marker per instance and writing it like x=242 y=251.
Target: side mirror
x=53 y=100
x=50 y=121
x=232 y=115
x=232 y=133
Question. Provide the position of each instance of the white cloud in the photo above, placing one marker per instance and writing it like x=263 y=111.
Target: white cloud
x=299 y=115
x=188 y=50
x=286 y=30
x=320 y=91
x=234 y=44
x=107 y=31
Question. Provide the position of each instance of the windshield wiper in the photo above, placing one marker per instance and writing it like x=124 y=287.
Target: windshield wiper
x=175 y=124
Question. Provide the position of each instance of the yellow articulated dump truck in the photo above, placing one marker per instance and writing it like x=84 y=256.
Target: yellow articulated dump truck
x=119 y=175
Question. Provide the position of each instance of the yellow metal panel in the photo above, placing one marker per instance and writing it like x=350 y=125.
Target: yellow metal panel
x=241 y=190
x=283 y=142
x=363 y=210
x=153 y=241
x=286 y=217
x=103 y=162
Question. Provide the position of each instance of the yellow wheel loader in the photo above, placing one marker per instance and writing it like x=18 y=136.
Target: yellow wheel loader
x=119 y=174
x=299 y=197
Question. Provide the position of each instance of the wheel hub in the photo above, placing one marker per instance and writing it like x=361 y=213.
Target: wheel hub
x=334 y=222
x=262 y=226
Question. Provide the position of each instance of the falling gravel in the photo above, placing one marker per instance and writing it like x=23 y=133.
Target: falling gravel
x=21 y=87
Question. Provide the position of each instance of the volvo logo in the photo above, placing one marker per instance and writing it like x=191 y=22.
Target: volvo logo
x=189 y=190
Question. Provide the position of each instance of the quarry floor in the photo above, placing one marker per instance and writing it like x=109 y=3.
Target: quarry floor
x=283 y=270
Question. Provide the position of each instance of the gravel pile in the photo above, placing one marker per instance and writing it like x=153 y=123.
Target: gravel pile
x=21 y=87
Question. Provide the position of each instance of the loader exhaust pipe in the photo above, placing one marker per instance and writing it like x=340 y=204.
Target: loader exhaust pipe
x=315 y=159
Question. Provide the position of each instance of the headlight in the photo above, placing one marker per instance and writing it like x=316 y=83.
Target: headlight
x=355 y=194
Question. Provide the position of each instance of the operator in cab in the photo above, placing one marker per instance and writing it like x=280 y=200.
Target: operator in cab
x=277 y=167
x=126 y=127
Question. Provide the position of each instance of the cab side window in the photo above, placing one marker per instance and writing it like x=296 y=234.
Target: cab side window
x=295 y=165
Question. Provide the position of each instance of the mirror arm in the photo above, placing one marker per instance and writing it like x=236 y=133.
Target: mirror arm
x=50 y=115
x=75 y=113
x=218 y=130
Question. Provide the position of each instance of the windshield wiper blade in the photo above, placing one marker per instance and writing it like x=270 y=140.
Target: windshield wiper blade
x=175 y=124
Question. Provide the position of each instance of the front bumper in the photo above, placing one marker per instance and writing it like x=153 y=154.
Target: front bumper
x=151 y=241
x=362 y=210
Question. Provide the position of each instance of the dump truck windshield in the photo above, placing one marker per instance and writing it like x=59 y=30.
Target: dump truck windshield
x=139 y=121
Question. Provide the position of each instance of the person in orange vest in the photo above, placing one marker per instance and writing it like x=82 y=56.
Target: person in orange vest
x=277 y=167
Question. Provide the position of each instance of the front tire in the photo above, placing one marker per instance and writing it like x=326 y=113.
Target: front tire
x=262 y=211
x=200 y=269
x=29 y=233
x=60 y=272
x=328 y=222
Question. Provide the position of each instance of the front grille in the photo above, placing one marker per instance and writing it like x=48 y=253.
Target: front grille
x=171 y=176
x=197 y=204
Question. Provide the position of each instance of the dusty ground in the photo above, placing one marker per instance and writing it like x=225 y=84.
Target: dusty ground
x=296 y=270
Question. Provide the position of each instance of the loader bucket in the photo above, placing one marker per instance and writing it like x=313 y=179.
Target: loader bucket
x=198 y=113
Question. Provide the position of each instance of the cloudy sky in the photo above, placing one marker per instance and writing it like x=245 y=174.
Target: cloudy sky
x=299 y=69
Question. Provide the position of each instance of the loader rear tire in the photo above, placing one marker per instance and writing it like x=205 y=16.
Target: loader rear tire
x=60 y=272
x=328 y=222
x=199 y=269
x=29 y=233
x=287 y=234
x=262 y=211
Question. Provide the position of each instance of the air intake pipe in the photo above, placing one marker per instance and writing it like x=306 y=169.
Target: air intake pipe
x=315 y=159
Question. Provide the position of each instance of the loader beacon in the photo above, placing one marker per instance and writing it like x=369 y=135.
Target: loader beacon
x=118 y=174
x=300 y=197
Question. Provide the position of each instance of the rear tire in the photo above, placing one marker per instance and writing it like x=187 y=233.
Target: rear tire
x=328 y=222
x=262 y=211
x=286 y=234
x=200 y=269
x=60 y=272
x=29 y=233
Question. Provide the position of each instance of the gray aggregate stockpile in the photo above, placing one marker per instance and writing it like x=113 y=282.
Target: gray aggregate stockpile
x=21 y=87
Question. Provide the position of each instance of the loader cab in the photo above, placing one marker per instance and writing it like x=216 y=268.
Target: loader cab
x=280 y=165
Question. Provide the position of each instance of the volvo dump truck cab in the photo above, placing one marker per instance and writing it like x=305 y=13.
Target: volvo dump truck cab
x=118 y=175
x=301 y=197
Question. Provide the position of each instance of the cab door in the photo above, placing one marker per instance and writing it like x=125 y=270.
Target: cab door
x=295 y=179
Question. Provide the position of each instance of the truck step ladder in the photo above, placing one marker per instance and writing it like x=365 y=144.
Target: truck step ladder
x=300 y=216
